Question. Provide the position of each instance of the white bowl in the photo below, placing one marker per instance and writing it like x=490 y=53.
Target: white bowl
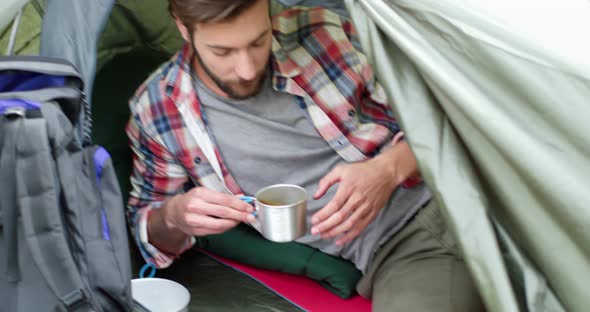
x=160 y=295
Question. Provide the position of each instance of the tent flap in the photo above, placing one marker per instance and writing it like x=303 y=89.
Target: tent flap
x=8 y=9
x=497 y=125
x=27 y=34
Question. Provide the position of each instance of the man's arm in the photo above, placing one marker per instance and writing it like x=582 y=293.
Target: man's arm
x=162 y=218
x=162 y=236
x=198 y=212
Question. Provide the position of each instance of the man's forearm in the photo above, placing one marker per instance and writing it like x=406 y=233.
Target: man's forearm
x=399 y=161
x=163 y=236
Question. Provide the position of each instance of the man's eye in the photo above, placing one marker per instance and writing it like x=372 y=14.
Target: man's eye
x=221 y=53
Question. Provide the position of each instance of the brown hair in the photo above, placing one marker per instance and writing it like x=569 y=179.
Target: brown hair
x=192 y=12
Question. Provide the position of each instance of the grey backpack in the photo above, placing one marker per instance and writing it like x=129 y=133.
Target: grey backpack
x=63 y=239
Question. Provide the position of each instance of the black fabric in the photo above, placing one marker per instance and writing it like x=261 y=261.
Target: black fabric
x=114 y=85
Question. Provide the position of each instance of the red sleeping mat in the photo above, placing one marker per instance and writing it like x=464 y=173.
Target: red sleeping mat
x=299 y=290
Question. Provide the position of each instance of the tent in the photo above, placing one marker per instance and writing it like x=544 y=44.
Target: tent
x=492 y=95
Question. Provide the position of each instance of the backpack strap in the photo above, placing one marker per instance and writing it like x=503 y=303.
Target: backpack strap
x=39 y=201
x=9 y=126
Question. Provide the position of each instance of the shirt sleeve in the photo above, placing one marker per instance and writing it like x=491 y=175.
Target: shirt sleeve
x=374 y=99
x=156 y=177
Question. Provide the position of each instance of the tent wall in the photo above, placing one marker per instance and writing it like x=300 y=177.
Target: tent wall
x=28 y=33
x=8 y=9
x=497 y=123
x=138 y=25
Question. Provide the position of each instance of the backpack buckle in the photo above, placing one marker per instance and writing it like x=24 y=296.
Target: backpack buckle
x=75 y=299
x=15 y=111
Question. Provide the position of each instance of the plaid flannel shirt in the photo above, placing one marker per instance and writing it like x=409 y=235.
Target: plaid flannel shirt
x=315 y=57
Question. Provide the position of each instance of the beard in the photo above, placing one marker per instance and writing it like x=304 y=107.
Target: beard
x=235 y=89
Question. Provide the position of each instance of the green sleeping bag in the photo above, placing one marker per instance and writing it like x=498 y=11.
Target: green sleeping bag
x=246 y=245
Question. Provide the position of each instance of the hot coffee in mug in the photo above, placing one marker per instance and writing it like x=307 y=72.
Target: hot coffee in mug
x=282 y=211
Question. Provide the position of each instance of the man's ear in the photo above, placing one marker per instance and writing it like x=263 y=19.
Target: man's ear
x=183 y=30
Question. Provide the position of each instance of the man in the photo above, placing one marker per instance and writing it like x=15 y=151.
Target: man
x=253 y=100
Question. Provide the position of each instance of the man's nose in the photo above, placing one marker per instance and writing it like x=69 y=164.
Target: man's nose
x=245 y=67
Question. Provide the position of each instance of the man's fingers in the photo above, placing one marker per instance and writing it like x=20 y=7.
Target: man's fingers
x=331 y=207
x=351 y=222
x=327 y=181
x=228 y=213
x=350 y=235
x=335 y=219
x=318 y=220
x=222 y=212
x=205 y=225
x=222 y=199
x=356 y=230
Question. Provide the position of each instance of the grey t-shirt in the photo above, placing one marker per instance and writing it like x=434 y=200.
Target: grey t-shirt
x=269 y=139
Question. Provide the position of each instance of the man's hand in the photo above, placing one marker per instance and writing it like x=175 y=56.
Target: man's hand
x=202 y=212
x=196 y=213
x=364 y=189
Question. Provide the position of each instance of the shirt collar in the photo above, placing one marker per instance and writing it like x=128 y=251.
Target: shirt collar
x=283 y=64
x=179 y=65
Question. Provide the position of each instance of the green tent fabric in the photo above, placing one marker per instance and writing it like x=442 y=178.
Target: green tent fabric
x=138 y=25
x=8 y=9
x=115 y=84
x=28 y=33
x=493 y=97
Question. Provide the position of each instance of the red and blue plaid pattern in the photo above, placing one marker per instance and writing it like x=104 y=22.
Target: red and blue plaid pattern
x=315 y=57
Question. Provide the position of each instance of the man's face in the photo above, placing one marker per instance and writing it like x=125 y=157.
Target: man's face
x=233 y=55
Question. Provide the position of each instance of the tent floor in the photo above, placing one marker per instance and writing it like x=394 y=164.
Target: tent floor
x=216 y=287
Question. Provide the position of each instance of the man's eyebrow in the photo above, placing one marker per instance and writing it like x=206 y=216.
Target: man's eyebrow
x=221 y=47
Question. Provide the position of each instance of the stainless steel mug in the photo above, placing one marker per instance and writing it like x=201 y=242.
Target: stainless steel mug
x=281 y=210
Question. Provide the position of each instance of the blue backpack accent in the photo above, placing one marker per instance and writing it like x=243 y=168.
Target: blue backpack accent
x=63 y=238
x=101 y=156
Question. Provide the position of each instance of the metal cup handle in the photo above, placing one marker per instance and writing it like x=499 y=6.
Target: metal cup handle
x=250 y=200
